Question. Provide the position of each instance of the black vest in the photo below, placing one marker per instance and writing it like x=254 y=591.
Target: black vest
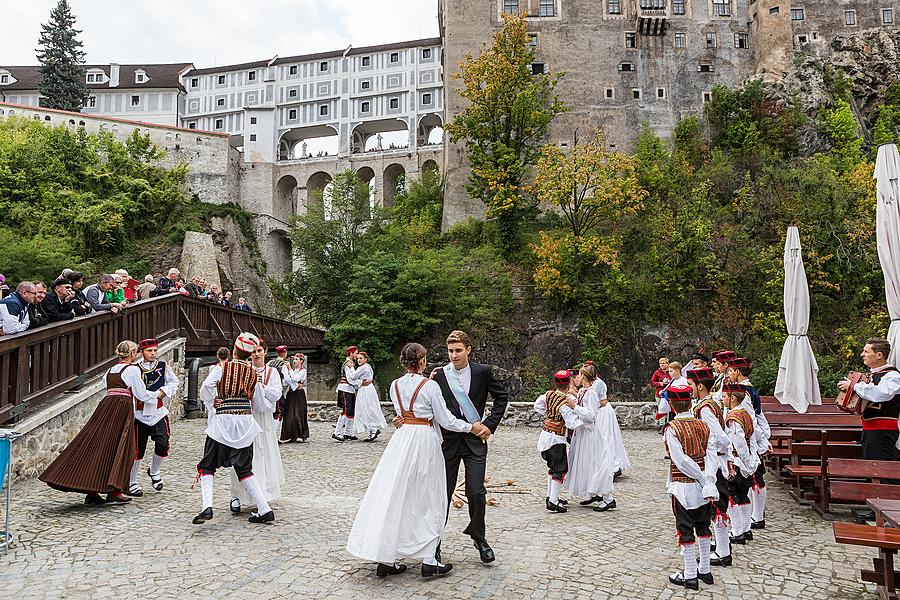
x=155 y=378
x=882 y=410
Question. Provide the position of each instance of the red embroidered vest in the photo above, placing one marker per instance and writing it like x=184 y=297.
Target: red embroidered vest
x=693 y=434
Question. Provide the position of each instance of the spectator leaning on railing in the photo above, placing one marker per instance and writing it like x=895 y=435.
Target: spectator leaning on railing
x=14 y=309
x=60 y=304
x=129 y=285
x=116 y=294
x=95 y=295
x=166 y=285
x=36 y=315
x=145 y=290
x=82 y=306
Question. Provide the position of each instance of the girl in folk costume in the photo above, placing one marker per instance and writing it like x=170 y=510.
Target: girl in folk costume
x=608 y=423
x=230 y=393
x=404 y=510
x=151 y=421
x=99 y=459
x=278 y=363
x=295 y=424
x=692 y=485
x=267 y=467
x=557 y=407
x=664 y=410
x=369 y=418
x=739 y=427
x=591 y=455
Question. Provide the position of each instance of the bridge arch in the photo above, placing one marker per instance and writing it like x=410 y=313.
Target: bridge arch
x=394 y=176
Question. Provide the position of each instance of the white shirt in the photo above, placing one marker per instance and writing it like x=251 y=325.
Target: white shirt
x=717 y=433
x=294 y=378
x=761 y=430
x=694 y=494
x=464 y=375
x=348 y=375
x=746 y=460
x=271 y=384
x=599 y=387
x=570 y=418
x=132 y=378
x=887 y=388
x=151 y=415
x=235 y=431
x=363 y=373
x=429 y=404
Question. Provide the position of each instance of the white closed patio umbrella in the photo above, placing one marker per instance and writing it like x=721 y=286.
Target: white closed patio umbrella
x=887 y=231
x=798 y=372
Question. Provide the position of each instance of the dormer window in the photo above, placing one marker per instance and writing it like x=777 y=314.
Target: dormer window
x=140 y=76
x=4 y=79
x=91 y=77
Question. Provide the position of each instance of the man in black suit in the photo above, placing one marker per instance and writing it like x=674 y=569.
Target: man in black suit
x=476 y=381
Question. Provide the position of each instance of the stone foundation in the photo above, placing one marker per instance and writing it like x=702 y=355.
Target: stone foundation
x=47 y=432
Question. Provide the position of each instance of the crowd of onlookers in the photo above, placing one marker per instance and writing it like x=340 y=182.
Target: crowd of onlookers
x=35 y=304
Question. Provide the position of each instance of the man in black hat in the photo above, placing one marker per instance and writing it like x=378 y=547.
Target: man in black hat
x=60 y=304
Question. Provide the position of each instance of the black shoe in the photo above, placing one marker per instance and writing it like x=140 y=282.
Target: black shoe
x=720 y=561
x=117 y=499
x=350 y=438
x=738 y=539
x=203 y=517
x=265 y=518
x=605 y=507
x=486 y=552
x=374 y=436
x=438 y=569
x=383 y=570
x=335 y=436
x=235 y=506
x=758 y=524
x=555 y=507
x=617 y=474
x=748 y=535
x=155 y=481
x=134 y=491
x=706 y=578
x=590 y=500
x=678 y=579
x=94 y=499
x=563 y=502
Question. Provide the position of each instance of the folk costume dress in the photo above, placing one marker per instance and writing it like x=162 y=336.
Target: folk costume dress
x=295 y=422
x=404 y=510
x=369 y=417
x=552 y=442
x=346 y=400
x=151 y=422
x=608 y=424
x=99 y=459
x=590 y=460
x=267 y=465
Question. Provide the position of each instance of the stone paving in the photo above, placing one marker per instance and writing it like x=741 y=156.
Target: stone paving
x=150 y=549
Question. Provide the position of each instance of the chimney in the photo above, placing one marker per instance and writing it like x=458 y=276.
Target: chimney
x=114 y=75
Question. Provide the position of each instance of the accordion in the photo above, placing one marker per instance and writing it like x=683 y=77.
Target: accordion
x=850 y=401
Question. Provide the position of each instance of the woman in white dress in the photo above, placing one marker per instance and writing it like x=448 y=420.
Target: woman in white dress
x=608 y=423
x=591 y=455
x=267 y=466
x=369 y=418
x=404 y=510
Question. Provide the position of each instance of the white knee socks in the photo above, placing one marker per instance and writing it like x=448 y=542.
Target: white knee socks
x=720 y=528
x=758 y=499
x=256 y=494
x=206 y=490
x=549 y=485
x=155 y=464
x=690 y=560
x=554 y=491
x=703 y=543
x=135 y=469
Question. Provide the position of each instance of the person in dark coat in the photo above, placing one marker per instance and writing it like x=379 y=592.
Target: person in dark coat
x=60 y=304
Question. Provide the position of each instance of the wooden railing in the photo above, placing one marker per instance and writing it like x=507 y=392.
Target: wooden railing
x=37 y=365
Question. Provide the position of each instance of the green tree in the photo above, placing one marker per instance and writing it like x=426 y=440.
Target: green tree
x=61 y=58
x=508 y=113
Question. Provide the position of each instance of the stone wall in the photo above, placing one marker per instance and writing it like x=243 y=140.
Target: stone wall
x=47 y=432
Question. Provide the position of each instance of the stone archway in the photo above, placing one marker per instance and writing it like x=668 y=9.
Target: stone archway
x=315 y=187
x=430 y=165
x=285 y=198
x=367 y=176
x=394 y=176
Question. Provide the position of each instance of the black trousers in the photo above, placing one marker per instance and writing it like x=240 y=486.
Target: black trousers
x=739 y=488
x=880 y=444
x=758 y=480
x=159 y=433
x=721 y=504
x=216 y=455
x=347 y=402
x=557 y=461
x=475 y=493
x=691 y=520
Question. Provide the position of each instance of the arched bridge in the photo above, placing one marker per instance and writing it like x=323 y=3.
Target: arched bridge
x=36 y=366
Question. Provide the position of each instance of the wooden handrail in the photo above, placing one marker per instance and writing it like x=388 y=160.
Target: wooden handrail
x=37 y=365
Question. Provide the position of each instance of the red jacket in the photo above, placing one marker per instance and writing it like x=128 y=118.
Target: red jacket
x=659 y=381
x=129 y=288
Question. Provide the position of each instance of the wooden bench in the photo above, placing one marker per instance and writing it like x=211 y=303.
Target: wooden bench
x=887 y=541
x=854 y=481
x=810 y=451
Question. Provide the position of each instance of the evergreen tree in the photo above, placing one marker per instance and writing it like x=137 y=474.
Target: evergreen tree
x=61 y=57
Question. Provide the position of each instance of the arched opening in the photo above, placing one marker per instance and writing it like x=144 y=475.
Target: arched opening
x=285 y=198
x=394 y=180
x=429 y=165
x=281 y=253
x=430 y=130
x=308 y=142
x=315 y=186
x=367 y=176
x=381 y=135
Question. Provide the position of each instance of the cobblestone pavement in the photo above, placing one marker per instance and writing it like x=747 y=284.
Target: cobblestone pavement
x=149 y=547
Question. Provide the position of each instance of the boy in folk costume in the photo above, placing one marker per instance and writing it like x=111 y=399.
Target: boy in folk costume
x=739 y=428
x=710 y=412
x=229 y=392
x=347 y=398
x=152 y=421
x=557 y=406
x=719 y=366
x=692 y=486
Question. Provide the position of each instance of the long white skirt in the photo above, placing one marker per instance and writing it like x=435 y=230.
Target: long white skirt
x=404 y=510
x=267 y=466
x=609 y=427
x=368 y=416
x=590 y=464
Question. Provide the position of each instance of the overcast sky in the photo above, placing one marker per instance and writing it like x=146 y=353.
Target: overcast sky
x=217 y=32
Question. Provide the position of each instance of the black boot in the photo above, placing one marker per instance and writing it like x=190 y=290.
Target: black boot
x=203 y=517
x=438 y=569
x=555 y=507
x=738 y=539
x=758 y=524
x=678 y=579
x=706 y=578
x=383 y=570
x=264 y=518
x=720 y=561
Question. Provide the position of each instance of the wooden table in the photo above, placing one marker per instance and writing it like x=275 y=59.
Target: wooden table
x=887 y=512
x=887 y=541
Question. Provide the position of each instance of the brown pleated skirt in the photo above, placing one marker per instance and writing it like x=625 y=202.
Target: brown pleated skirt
x=295 y=424
x=99 y=459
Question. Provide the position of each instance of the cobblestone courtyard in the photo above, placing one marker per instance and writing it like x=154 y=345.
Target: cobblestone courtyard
x=150 y=549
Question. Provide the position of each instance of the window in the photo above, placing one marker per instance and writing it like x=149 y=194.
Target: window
x=91 y=78
x=610 y=93
x=220 y=124
x=292 y=93
x=887 y=16
x=395 y=57
x=774 y=10
x=4 y=78
x=365 y=107
x=195 y=82
x=135 y=100
x=366 y=61
x=707 y=97
x=802 y=39
x=323 y=66
x=292 y=70
x=680 y=39
x=323 y=110
x=721 y=8
x=630 y=39
x=626 y=66
x=511 y=6
x=221 y=80
x=532 y=40
x=252 y=137
x=364 y=85
x=426 y=98
x=395 y=103
x=139 y=78
x=220 y=102
x=251 y=76
x=614 y=7
x=426 y=54
x=92 y=101
x=711 y=40
x=292 y=114
x=677 y=7
x=704 y=68
x=742 y=40
x=547 y=8
x=661 y=93
x=635 y=94
x=850 y=17
x=797 y=14
x=253 y=120
x=192 y=125
x=537 y=68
